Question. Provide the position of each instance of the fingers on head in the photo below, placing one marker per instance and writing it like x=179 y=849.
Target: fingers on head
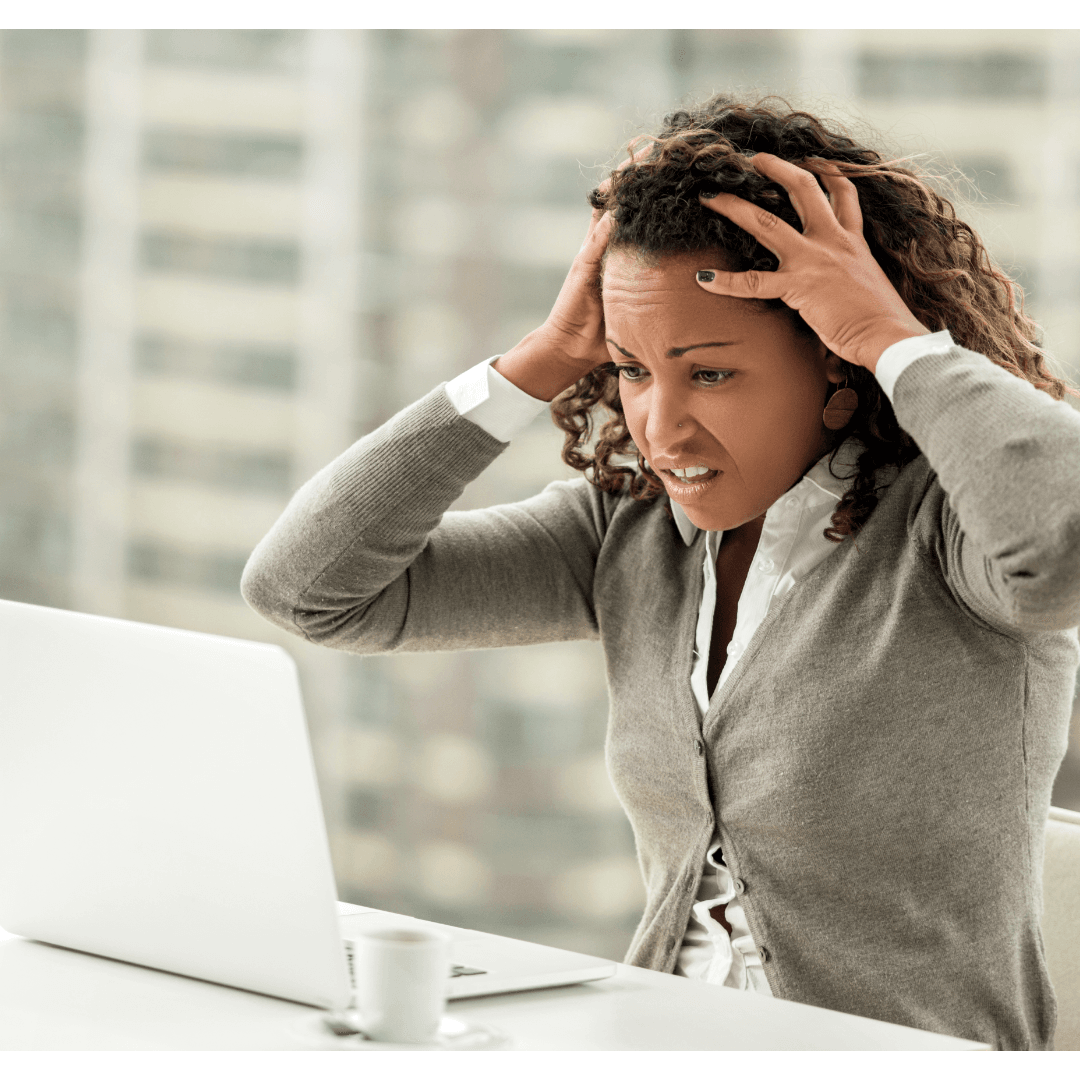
x=804 y=178
x=798 y=180
x=753 y=281
x=835 y=180
x=605 y=184
x=731 y=206
x=764 y=220
x=599 y=229
x=823 y=167
x=747 y=215
x=802 y=184
x=844 y=196
x=778 y=168
x=726 y=283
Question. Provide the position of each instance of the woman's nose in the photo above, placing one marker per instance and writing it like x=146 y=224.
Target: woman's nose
x=668 y=422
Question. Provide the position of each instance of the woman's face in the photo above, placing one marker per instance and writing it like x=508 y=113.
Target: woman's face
x=715 y=382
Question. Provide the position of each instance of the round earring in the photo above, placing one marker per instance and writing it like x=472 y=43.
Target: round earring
x=840 y=408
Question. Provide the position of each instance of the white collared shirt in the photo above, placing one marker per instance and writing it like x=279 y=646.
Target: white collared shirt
x=791 y=545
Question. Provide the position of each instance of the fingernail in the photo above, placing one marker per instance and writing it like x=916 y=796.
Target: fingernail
x=706 y=275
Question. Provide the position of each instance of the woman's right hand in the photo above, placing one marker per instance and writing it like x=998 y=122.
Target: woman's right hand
x=570 y=343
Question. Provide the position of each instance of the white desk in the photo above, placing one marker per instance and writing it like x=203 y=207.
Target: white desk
x=56 y=999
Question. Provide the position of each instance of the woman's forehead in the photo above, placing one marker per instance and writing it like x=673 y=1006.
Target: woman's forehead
x=665 y=288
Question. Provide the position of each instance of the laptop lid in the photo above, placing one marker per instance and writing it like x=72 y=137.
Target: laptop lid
x=159 y=805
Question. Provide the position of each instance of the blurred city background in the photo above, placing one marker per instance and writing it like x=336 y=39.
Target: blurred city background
x=227 y=254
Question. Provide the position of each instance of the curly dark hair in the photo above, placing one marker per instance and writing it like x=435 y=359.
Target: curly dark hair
x=936 y=262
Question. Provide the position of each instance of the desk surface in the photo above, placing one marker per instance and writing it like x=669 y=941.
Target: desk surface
x=57 y=999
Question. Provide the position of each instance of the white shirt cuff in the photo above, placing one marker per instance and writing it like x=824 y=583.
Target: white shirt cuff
x=898 y=357
x=493 y=402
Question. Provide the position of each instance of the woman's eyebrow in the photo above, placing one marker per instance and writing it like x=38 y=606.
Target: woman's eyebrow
x=620 y=348
x=675 y=353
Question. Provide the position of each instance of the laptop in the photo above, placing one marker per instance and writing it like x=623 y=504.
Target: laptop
x=159 y=805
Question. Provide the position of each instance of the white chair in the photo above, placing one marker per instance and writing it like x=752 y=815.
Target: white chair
x=1061 y=921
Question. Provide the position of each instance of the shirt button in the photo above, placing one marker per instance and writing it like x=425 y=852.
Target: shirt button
x=766 y=566
x=791 y=502
x=740 y=886
x=733 y=648
x=764 y=954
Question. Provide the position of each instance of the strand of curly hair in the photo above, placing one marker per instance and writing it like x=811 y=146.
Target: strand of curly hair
x=936 y=262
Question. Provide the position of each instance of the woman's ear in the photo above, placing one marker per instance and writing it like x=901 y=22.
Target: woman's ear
x=834 y=368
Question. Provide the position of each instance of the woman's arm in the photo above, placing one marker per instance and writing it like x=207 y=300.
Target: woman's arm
x=365 y=557
x=1008 y=458
x=1006 y=454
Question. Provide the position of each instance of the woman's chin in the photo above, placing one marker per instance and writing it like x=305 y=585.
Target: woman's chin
x=710 y=520
x=717 y=518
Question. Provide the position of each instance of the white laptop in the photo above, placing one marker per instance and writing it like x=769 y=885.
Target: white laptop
x=158 y=805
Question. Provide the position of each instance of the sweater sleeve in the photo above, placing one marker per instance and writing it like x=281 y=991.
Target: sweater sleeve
x=366 y=557
x=1007 y=457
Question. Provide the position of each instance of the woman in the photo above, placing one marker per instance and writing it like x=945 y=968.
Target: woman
x=837 y=596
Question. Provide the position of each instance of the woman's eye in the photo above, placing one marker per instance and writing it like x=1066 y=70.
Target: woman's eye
x=712 y=378
x=635 y=373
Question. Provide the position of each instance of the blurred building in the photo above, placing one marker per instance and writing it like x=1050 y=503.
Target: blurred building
x=227 y=254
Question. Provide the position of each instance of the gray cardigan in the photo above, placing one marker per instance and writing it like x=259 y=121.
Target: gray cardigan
x=879 y=762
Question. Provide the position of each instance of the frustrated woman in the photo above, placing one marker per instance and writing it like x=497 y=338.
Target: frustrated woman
x=837 y=593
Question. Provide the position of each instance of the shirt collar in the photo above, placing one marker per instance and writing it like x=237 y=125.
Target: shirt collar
x=819 y=476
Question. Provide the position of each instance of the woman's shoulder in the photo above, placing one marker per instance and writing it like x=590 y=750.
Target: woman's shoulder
x=910 y=498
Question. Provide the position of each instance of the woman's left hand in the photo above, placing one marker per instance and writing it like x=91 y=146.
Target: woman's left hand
x=827 y=273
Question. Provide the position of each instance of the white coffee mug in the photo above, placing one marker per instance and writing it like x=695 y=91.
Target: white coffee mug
x=402 y=979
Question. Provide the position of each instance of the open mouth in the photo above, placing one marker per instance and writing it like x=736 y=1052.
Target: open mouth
x=692 y=477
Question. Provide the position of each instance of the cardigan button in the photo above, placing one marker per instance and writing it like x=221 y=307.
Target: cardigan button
x=700 y=748
x=764 y=954
x=740 y=886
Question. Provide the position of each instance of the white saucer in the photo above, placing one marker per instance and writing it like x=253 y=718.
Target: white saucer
x=453 y=1035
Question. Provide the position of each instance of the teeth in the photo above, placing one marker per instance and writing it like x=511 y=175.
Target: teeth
x=694 y=470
